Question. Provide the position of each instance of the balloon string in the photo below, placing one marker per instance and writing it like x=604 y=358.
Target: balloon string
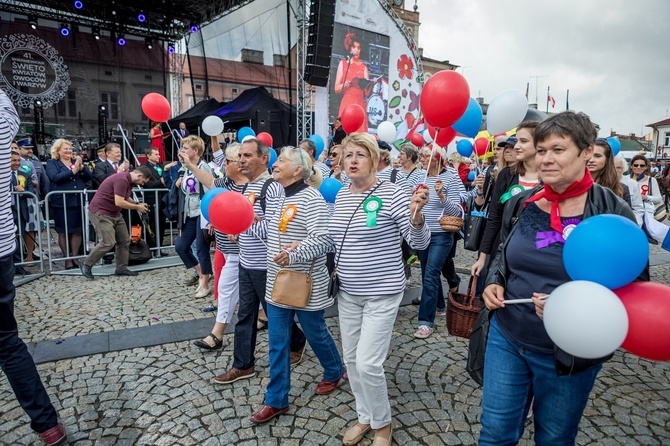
x=425 y=177
x=171 y=134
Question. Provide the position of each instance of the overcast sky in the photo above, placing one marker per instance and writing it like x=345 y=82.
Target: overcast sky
x=613 y=55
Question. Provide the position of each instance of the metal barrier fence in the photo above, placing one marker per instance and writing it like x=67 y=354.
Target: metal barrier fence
x=28 y=240
x=74 y=240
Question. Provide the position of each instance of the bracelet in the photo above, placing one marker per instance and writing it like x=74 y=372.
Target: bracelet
x=480 y=194
x=420 y=223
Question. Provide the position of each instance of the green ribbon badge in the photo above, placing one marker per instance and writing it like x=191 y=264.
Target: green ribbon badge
x=159 y=171
x=371 y=206
x=512 y=191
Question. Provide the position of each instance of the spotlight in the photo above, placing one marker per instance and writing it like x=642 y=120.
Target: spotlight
x=171 y=49
x=141 y=17
x=32 y=21
x=37 y=103
x=121 y=40
x=148 y=43
x=65 y=29
x=78 y=4
x=194 y=28
x=95 y=32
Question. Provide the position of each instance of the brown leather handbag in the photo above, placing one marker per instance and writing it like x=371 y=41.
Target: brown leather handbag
x=292 y=288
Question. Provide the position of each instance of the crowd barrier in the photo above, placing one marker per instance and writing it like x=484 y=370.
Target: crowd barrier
x=28 y=239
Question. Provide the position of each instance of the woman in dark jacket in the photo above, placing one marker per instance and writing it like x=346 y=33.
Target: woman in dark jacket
x=67 y=173
x=520 y=359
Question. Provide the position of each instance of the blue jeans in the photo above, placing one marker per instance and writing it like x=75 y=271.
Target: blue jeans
x=280 y=321
x=432 y=259
x=191 y=232
x=15 y=360
x=252 y=291
x=512 y=376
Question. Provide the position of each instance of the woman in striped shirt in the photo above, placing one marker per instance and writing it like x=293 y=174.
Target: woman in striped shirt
x=371 y=218
x=297 y=239
x=445 y=197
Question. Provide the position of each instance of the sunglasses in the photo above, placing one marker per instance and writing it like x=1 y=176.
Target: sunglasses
x=639 y=165
x=332 y=155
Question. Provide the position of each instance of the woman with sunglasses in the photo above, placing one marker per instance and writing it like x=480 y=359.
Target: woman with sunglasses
x=649 y=189
x=621 y=166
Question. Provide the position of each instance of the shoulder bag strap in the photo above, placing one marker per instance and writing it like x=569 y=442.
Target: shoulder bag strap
x=339 y=251
x=281 y=209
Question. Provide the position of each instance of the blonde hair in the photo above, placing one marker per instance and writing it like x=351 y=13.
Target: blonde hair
x=195 y=142
x=316 y=178
x=233 y=151
x=367 y=142
x=57 y=145
x=298 y=157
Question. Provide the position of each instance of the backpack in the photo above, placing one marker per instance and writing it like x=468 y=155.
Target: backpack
x=394 y=176
x=138 y=250
x=172 y=203
x=264 y=192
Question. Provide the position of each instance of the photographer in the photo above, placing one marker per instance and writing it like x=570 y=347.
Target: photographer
x=104 y=212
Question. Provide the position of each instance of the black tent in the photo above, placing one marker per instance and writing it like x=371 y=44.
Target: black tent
x=193 y=116
x=258 y=109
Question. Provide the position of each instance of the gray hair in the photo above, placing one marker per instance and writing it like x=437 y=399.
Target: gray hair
x=298 y=158
x=621 y=160
x=233 y=151
x=411 y=151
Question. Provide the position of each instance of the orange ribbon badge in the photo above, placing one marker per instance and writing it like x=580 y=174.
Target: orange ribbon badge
x=251 y=196
x=287 y=216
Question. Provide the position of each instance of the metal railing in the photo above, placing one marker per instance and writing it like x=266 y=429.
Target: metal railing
x=24 y=220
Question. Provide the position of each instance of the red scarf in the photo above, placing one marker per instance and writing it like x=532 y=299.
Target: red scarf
x=574 y=190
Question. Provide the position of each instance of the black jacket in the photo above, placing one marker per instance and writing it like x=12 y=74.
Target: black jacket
x=490 y=240
x=599 y=200
x=102 y=170
x=155 y=183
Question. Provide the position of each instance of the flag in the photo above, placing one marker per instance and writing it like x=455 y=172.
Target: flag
x=551 y=99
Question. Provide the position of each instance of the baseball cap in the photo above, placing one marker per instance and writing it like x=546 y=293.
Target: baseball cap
x=511 y=141
x=383 y=145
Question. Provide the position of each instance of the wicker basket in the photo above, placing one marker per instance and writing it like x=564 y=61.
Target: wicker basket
x=450 y=223
x=462 y=311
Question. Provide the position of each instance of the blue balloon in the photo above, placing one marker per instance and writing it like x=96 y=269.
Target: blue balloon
x=245 y=131
x=464 y=147
x=471 y=175
x=614 y=144
x=319 y=143
x=273 y=157
x=207 y=200
x=471 y=121
x=329 y=189
x=592 y=251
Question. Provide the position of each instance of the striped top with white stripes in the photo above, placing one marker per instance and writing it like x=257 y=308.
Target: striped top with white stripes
x=9 y=125
x=369 y=260
x=414 y=178
x=252 y=242
x=400 y=180
x=325 y=170
x=310 y=228
x=222 y=243
x=434 y=209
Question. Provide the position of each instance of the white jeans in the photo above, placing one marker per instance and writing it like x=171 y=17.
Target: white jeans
x=229 y=289
x=366 y=325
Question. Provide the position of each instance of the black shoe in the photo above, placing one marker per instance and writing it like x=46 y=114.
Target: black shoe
x=126 y=272
x=192 y=281
x=210 y=309
x=20 y=271
x=416 y=301
x=86 y=271
x=108 y=259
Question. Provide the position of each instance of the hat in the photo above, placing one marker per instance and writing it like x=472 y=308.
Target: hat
x=511 y=141
x=26 y=143
x=101 y=148
x=383 y=145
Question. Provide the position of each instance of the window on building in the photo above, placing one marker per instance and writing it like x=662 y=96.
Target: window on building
x=198 y=87
x=667 y=140
x=111 y=100
x=67 y=107
x=234 y=90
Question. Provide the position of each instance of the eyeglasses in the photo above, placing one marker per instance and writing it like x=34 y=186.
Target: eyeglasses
x=333 y=155
x=639 y=165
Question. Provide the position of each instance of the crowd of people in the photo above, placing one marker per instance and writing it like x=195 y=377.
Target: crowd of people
x=355 y=254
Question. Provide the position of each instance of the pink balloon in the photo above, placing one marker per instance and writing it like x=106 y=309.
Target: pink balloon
x=156 y=107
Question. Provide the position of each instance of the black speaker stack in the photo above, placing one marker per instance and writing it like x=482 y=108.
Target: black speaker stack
x=320 y=42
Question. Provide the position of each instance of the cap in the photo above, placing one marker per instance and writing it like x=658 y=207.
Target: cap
x=26 y=143
x=100 y=149
x=511 y=141
x=383 y=145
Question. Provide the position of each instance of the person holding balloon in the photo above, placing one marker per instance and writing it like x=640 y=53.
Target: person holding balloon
x=371 y=218
x=190 y=219
x=523 y=175
x=521 y=360
x=349 y=72
x=298 y=240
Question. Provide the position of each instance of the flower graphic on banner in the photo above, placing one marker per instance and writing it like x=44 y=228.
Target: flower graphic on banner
x=396 y=85
x=414 y=98
x=405 y=67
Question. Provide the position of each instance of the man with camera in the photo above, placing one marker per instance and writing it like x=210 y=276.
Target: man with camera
x=104 y=212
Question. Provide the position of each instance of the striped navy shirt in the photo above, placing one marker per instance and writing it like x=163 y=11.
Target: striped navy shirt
x=9 y=125
x=415 y=177
x=452 y=187
x=252 y=242
x=325 y=170
x=222 y=243
x=369 y=260
x=309 y=226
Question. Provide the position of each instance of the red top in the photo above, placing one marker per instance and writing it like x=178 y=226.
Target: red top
x=463 y=172
x=103 y=201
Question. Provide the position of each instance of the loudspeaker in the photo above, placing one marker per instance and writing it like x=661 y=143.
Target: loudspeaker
x=142 y=142
x=320 y=42
x=263 y=121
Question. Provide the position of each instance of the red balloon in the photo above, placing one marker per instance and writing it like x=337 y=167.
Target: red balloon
x=445 y=136
x=432 y=131
x=265 y=137
x=156 y=107
x=444 y=98
x=231 y=213
x=648 y=308
x=352 y=118
x=416 y=139
x=481 y=146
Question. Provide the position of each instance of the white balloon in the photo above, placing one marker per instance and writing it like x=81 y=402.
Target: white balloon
x=212 y=125
x=247 y=137
x=386 y=132
x=506 y=111
x=585 y=319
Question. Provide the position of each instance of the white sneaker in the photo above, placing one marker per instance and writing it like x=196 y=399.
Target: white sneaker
x=423 y=332
x=203 y=292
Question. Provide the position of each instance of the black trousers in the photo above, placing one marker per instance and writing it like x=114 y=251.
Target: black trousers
x=15 y=360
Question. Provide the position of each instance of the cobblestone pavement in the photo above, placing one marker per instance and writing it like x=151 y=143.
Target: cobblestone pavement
x=163 y=395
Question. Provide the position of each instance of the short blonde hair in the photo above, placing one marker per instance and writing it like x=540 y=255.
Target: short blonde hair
x=366 y=141
x=57 y=145
x=195 y=142
x=233 y=151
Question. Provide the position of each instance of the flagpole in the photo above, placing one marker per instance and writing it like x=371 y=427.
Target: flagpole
x=527 y=87
x=547 y=99
x=567 y=100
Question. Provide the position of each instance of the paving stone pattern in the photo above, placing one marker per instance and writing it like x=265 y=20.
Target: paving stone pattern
x=163 y=395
